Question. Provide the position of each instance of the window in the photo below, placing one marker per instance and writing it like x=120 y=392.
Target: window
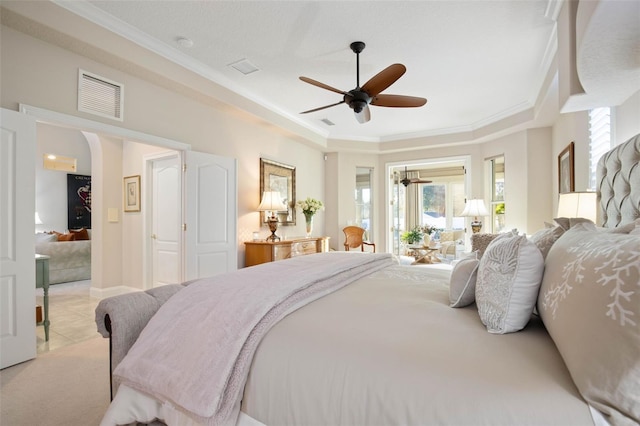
x=599 y=139
x=442 y=204
x=497 y=207
x=363 y=200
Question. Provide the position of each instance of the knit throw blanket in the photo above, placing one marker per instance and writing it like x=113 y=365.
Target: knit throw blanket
x=195 y=353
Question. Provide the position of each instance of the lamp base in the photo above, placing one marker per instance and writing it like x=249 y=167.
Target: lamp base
x=273 y=227
x=476 y=226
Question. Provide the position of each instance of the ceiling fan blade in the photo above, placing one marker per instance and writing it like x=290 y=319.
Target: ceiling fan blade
x=398 y=101
x=420 y=181
x=384 y=79
x=322 y=85
x=323 y=107
x=364 y=115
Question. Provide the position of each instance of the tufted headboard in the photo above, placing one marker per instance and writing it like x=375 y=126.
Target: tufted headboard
x=618 y=181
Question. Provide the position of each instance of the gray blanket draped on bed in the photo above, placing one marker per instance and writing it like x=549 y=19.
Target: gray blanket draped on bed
x=195 y=353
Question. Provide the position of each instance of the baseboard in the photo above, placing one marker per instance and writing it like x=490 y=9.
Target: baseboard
x=103 y=293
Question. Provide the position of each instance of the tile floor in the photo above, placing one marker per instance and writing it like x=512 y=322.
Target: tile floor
x=71 y=313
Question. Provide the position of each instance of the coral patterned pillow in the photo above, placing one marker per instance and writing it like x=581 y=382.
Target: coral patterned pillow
x=589 y=302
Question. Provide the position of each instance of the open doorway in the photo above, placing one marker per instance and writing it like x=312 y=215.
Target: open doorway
x=426 y=193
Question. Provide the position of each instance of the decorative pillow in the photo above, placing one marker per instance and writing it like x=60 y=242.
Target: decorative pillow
x=567 y=222
x=544 y=238
x=590 y=303
x=66 y=237
x=446 y=236
x=480 y=242
x=80 y=234
x=509 y=277
x=462 y=286
x=624 y=229
x=43 y=237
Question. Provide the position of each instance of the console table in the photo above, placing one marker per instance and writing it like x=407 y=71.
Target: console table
x=257 y=252
x=42 y=281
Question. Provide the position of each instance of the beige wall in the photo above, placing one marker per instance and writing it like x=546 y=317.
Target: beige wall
x=37 y=73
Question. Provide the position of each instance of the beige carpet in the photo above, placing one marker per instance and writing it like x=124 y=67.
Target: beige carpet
x=65 y=387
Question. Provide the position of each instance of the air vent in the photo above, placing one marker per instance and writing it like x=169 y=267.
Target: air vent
x=100 y=96
x=244 y=66
x=328 y=122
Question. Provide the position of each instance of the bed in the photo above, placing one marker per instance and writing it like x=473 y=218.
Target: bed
x=356 y=338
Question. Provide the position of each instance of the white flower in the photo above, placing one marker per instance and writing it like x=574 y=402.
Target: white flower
x=310 y=206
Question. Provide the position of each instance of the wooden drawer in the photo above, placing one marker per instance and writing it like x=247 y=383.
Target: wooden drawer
x=258 y=252
x=302 y=248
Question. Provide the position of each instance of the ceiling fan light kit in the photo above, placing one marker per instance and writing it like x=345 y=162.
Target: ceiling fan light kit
x=360 y=98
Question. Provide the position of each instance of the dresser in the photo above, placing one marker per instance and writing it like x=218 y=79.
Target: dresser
x=257 y=252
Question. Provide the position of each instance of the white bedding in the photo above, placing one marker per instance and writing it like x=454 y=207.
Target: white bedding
x=388 y=349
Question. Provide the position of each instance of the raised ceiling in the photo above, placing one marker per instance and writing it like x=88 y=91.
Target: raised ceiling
x=477 y=62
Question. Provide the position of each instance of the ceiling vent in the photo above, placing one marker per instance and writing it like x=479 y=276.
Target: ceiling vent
x=244 y=66
x=328 y=122
x=100 y=96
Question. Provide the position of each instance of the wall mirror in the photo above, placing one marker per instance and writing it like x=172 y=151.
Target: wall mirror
x=280 y=177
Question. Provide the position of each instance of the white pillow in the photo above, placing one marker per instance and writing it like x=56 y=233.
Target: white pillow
x=462 y=286
x=509 y=277
x=45 y=238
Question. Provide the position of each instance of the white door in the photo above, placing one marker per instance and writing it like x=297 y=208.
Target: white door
x=211 y=246
x=166 y=232
x=17 y=242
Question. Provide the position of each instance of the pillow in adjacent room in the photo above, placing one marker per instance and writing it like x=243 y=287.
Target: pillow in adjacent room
x=509 y=276
x=80 y=234
x=462 y=285
x=544 y=238
x=66 y=237
x=43 y=237
x=590 y=304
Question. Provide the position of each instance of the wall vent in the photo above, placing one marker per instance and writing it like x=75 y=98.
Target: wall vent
x=100 y=96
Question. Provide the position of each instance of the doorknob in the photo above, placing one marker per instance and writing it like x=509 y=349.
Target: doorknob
x=153 y=236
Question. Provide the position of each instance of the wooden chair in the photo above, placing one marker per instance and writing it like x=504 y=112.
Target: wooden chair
x=353 y=238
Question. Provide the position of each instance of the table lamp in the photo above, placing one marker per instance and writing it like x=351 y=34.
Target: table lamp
x=272 y=202
x=475 y=208
x=578 y=204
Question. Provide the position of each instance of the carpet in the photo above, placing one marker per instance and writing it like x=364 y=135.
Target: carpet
x=65 y=387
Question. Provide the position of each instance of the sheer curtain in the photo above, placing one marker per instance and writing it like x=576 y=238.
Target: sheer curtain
x=413 y=209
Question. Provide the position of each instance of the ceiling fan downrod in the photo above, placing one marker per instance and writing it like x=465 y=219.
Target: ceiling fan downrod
x=357 y=47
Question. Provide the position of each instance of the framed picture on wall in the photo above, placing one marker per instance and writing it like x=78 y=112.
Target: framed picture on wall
x=566 y=177
x=132 y=193
x=281 y=178
x=78 y=201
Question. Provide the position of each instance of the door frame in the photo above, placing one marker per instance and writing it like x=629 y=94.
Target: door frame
x=86 y=125
x=389 y=186
x=147 y=219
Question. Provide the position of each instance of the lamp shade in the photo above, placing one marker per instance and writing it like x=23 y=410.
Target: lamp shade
x=38 y=220
x=578 y=204
x=474 y=208
x=271 y=201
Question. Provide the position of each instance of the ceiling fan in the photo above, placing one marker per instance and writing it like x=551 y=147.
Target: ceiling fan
x=360 y=98
x=406 y=181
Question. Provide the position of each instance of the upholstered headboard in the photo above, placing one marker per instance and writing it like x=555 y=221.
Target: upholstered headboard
x=618 y=181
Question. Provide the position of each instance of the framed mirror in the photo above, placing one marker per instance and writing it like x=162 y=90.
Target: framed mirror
x=280 y=177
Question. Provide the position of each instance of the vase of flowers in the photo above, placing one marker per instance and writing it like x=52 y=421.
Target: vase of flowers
x=428 y=231
x=309 y=208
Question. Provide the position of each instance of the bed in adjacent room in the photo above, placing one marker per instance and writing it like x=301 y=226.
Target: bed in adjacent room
x=356 y=338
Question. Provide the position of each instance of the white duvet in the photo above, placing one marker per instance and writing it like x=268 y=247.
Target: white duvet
x=388 y=349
